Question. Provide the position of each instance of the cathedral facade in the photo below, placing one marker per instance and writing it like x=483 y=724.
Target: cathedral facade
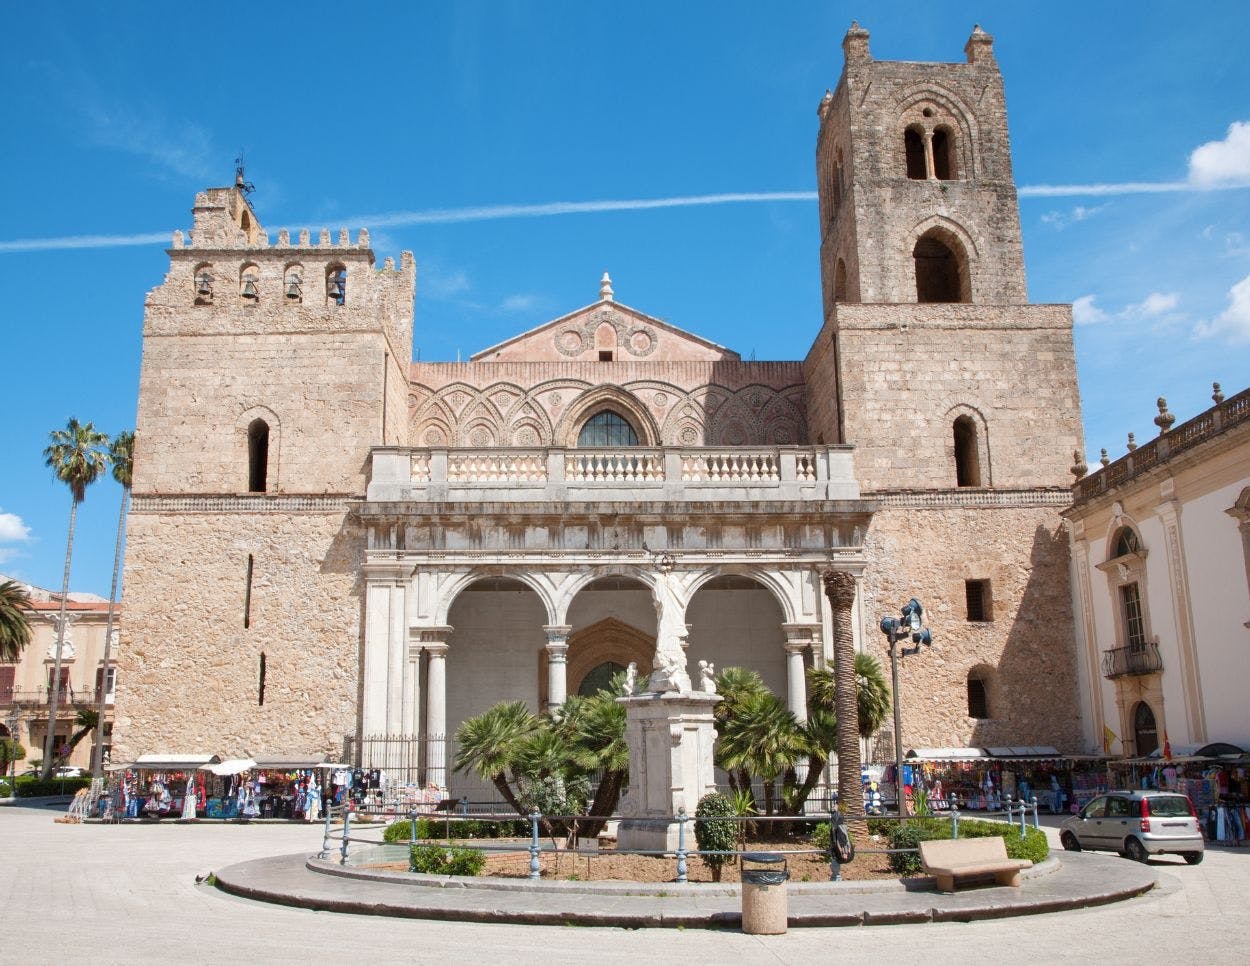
x=329 y=541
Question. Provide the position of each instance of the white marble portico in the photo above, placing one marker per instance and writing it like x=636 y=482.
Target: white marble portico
x=428 y=542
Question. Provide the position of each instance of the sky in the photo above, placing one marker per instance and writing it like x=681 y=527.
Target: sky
x=485 y=137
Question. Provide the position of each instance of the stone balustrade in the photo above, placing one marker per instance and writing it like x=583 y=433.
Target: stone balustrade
x=633 y=473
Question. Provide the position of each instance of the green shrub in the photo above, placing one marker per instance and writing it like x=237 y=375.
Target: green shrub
x=445 y=860
x=717 y=832
x=33 y=788
x=909 y=835
x=399 y=831
x=432 y=827
x=820 y=836
x=1033 y=846
x=882 y=826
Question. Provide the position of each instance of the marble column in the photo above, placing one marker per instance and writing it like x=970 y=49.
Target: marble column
x=436 y=709
x=557 y=664
x=796 y=685
x=396 y=663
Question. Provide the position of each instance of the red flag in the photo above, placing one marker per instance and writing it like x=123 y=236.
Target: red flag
x=1167 y=746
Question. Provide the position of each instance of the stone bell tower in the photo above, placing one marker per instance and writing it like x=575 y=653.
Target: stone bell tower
x=917 y=201
x=959 y=396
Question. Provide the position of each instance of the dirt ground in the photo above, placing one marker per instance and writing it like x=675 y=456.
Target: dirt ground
x=607 y=865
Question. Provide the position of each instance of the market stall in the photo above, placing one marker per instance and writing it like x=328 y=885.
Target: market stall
x=161 y=785
x=981 y=779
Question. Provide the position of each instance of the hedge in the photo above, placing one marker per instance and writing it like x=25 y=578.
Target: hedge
x=445 y=860
x=33 y=788
x=457 y=828
x=909 y=835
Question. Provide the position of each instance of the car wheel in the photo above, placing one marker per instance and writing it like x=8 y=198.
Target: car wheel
x=1193 y=858
x=1070 y=842
x=1134 y=850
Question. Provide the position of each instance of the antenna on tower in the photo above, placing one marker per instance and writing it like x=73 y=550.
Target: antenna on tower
x=240 y=182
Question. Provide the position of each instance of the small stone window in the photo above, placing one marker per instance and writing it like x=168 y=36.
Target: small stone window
x=913 y=148
x=978 y=696
x=978 y=600
x=257 y=456
x=249 y=284
x=204 y=285
x=607 y=428
x=967 y=452
x=336 y=285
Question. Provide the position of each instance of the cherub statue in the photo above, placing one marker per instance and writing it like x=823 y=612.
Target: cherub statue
x=707 y=677
x=631 y=678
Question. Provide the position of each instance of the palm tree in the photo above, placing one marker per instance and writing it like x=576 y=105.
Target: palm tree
x=86 y=720
x=14 y=624
x=763 y=739
x=594 y=727
x=489 y=743
x=872 y=693
x=121 y=455
x=840 y=589
x=76 y=457
x=736 y=685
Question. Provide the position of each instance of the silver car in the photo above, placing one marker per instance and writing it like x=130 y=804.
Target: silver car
x=1137 y=824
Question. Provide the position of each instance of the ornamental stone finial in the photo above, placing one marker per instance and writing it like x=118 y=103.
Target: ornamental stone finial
x=1078 y=468
x=605 y=288
x=1132 y=442
x=1165 y=419
x=1104 y=459
x=1217 y=393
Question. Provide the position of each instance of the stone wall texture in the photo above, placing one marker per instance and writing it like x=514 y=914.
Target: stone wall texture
x=1027 y=652
x=188 y=670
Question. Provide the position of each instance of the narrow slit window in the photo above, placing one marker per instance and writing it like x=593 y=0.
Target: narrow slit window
x=943 y=163
x=260 y=683
x=978 y=700
x=967 y=455
x=257 y=456
x=247 y=596
x=913 y=147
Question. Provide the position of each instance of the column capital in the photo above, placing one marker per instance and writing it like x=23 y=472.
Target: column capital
x=386 y=571
x=800 y=634
x=437 y=651
x=557 y=633
x=430 y=637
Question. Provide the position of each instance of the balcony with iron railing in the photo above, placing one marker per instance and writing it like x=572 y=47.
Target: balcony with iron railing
x=1207 y=425
x=627 y=473
x=88 y=698
x=1135 y=659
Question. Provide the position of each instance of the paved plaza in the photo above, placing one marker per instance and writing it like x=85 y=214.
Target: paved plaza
x=126 y=887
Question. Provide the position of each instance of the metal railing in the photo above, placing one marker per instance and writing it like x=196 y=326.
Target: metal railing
x=1134 y=659
x=1013 y=814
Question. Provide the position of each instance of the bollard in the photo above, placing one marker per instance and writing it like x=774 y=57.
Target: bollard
x=764 y=904
x=534 y=870
x=1022 y=818
x=1035 y=825
x=835 y=867
x=954 y=823
x=681 y=845
x=325 y=837
x=347 y=825
x=412 y=817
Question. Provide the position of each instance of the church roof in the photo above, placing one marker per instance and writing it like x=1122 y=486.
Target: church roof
x=606 y=326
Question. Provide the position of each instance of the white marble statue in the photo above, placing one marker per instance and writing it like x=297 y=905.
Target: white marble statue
x=707 y=677
x=631 y=678
x=669 y=672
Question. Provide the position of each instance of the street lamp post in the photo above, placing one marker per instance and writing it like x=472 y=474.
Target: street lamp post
x=896 y=630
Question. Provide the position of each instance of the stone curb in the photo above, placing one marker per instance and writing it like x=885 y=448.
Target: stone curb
x=1075 y=881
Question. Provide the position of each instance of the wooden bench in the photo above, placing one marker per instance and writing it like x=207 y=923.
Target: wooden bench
x=950 y=859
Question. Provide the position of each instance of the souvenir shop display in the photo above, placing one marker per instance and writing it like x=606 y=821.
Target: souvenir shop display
x=1218 y=787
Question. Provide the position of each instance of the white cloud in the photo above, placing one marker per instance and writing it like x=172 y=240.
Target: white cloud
x=1085 y=312
x=518 y=303
x=1223 y=163
x=439 y=283
x=1156 y=303
x=1233 y=323
x=1060 y=220
x=12 y=528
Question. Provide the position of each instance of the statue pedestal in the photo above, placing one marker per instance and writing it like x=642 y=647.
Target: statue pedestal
x=670 y=736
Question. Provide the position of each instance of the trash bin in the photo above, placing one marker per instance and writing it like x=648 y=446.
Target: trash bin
x=764 y=906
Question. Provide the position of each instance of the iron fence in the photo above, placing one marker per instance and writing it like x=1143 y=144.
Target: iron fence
x=1014 y=814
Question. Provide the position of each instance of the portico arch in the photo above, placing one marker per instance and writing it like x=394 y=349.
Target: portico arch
x=768 y=581
x=457 y=585
x=737 y=619
x=563 y=597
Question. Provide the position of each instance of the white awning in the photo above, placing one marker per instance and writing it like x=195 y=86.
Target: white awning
x=174 y=762
x=231 y=766
x=947 y=754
